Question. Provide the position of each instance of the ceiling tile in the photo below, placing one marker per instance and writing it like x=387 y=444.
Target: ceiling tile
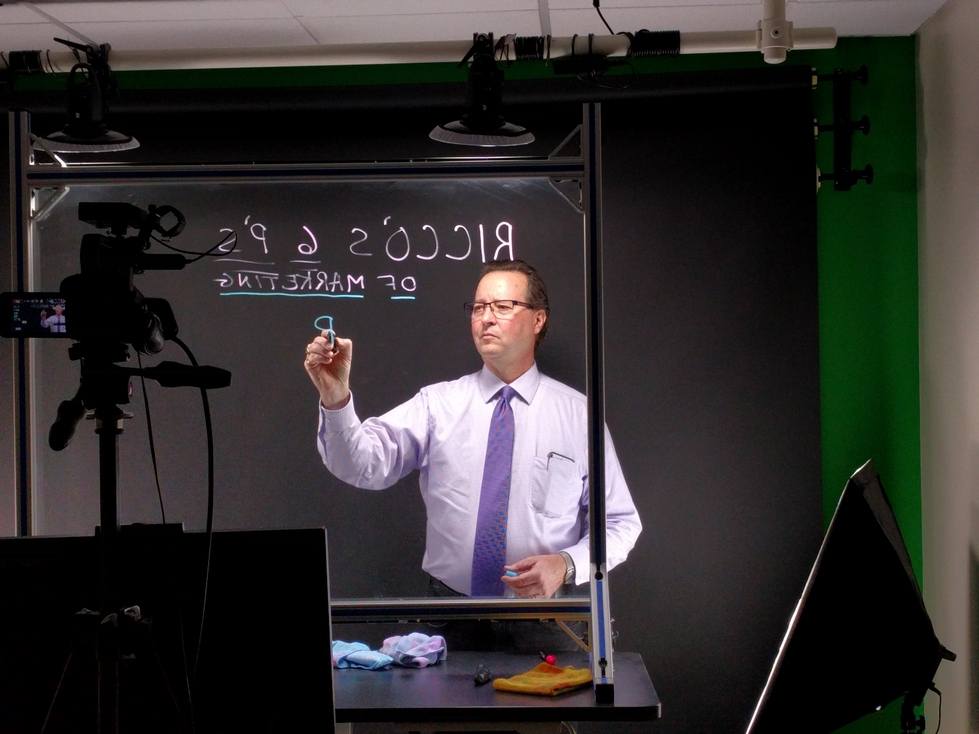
x=184 y=34
x=101 y=12
x=421 y=27
x=644 y=4
x=14 y=13
x=689 y=19
x=865 y=17
x=331 y=8
x=30 y=37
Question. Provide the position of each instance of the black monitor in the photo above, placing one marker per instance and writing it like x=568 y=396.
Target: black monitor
x=264 y=660
x=860 y=636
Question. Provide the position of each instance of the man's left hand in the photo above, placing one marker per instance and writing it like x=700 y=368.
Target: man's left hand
x=538 y=576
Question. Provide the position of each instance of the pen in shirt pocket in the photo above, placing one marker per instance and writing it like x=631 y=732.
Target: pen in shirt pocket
x=556 y=455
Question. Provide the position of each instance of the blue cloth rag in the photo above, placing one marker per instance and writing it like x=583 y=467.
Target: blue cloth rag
x=358 y=655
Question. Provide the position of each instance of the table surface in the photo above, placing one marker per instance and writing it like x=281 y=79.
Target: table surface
x=446 y=692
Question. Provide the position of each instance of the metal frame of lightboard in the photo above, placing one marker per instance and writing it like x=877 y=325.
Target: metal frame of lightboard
x=25 y=175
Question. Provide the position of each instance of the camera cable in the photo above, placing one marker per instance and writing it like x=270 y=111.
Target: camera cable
x=209 y=526
x=149 y=432
x=163 y=518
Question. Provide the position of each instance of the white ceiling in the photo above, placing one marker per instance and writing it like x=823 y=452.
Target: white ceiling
x=207 y=24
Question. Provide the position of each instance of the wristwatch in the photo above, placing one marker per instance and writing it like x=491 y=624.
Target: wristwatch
x=568 y=567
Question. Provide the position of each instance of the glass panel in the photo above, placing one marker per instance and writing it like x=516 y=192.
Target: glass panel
x=389 y=264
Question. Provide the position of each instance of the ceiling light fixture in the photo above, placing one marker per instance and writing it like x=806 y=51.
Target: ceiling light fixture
x=482 y=124
x=90 y=82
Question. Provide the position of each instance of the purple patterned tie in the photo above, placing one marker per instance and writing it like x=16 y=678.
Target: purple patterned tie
x=489 y=549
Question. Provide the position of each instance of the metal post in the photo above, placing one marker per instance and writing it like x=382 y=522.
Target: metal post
x=601 y=633
x=19 y=152
x=109 y=425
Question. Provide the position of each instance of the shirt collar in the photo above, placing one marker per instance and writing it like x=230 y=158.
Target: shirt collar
x=525 y=386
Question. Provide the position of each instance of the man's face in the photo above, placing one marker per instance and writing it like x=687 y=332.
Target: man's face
x=511 y=341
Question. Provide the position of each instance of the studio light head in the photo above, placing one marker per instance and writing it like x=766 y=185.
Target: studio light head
x=861 y=622
x=482 y=124
x=90 y=83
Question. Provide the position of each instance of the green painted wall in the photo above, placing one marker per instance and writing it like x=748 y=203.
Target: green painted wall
x=868 y=294
x=868 y=280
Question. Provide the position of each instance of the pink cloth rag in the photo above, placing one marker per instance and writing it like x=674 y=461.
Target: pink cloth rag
x=415 y=650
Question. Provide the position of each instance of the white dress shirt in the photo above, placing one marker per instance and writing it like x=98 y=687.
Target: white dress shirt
x=442 y=432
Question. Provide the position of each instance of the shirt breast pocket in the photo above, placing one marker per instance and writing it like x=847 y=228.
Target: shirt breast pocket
x=556 y=487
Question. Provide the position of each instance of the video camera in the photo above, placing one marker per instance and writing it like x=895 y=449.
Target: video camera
x=104 y=313
x=100 y=307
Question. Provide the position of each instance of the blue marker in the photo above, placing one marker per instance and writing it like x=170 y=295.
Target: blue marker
x=512 y=573
x=319 y=325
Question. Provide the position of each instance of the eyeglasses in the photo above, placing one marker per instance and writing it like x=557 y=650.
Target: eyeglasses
x=501 y=309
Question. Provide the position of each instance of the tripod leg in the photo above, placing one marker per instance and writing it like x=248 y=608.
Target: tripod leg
x=84 y=625
x=146 y=670
x=108 y=713
x=57 y=692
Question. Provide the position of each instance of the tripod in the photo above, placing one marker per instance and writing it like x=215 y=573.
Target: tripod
x=119 y=637
x=105 y=314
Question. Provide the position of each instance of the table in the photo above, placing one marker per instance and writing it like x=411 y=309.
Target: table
x=446 y=692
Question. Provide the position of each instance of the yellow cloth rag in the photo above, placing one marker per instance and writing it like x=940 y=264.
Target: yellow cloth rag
x=545 y=680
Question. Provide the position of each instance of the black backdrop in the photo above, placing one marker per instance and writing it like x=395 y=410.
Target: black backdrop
x=712 y=364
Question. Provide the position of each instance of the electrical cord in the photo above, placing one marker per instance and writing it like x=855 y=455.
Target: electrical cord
x=166 y=679
x=209 y=528
x=231 y=239
x=149 y=431
x=183 y=657
x=532 y=48
x=158 y=659
x=939 y=694
x=163 y=517
x=598 y=9
x=596 y=75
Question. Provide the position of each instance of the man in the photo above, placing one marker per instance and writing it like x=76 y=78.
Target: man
x=542 y=527
x=55 y=323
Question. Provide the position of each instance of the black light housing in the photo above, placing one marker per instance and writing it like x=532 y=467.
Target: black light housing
x=482 y=124
x=861 y=624
x=89 y=83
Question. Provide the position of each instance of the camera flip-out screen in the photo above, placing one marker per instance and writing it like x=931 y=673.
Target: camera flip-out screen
x=35 y=315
